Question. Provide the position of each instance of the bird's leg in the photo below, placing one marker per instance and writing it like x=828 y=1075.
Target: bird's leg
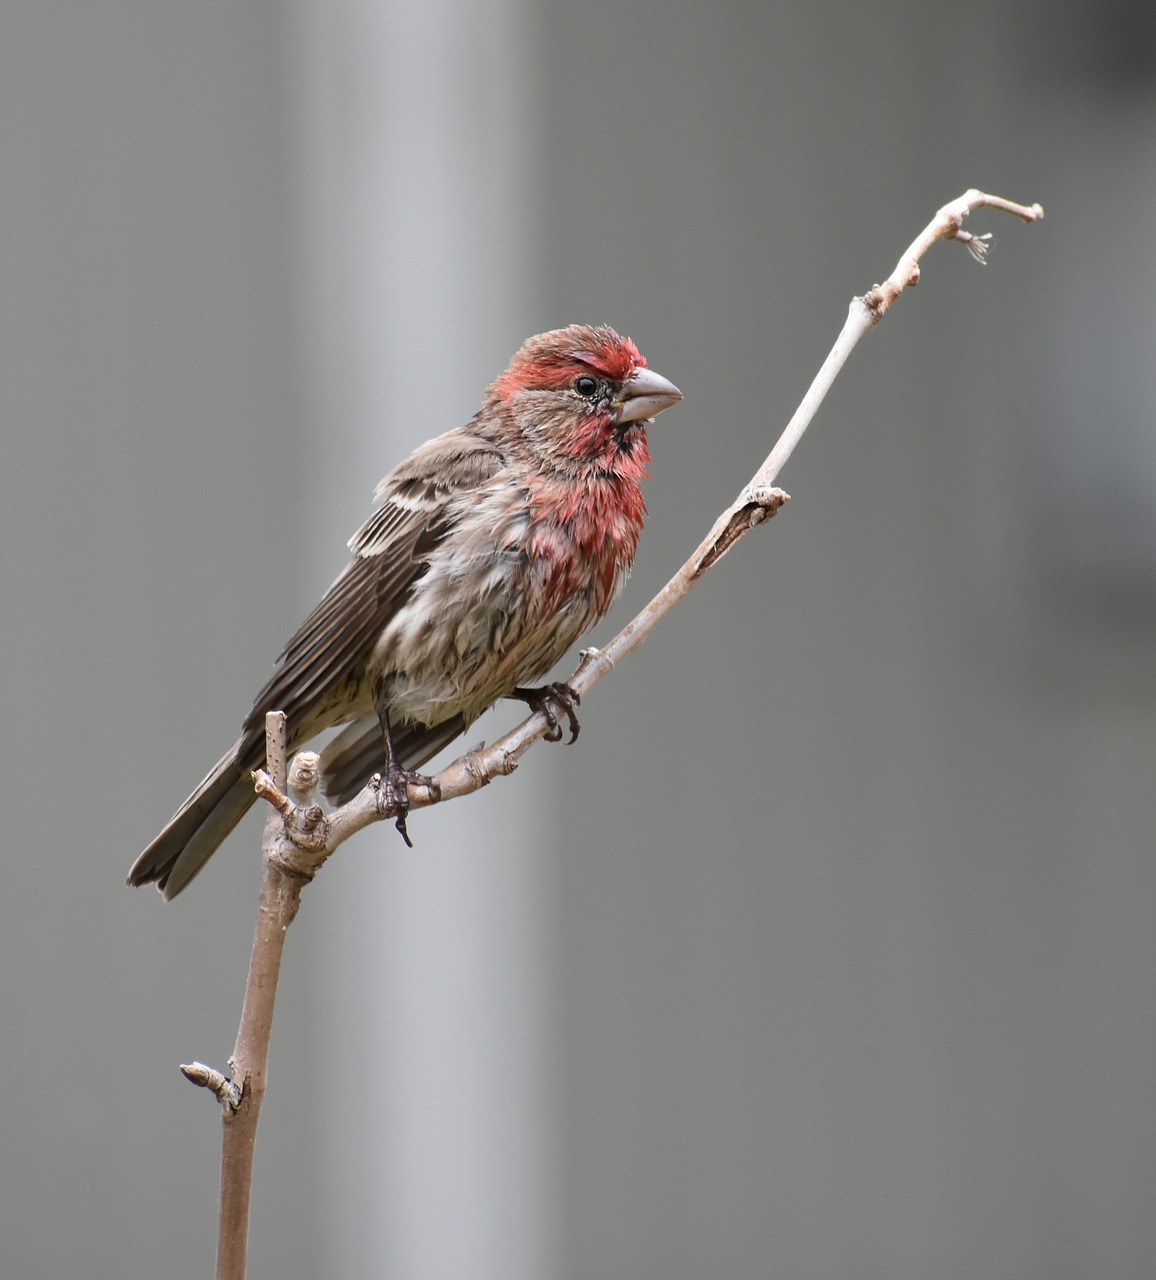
x=550 y=700
x=398 y=780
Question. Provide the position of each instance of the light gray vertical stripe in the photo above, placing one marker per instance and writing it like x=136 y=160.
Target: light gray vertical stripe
x=417 y=180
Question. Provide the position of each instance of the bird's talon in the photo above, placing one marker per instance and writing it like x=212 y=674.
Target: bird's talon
x=548 y=697
x=395 y=799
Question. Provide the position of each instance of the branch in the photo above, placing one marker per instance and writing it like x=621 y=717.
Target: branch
x=242 y=1093
x=299 y=836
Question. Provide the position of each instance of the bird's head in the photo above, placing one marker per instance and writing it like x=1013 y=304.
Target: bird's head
x=582 y=398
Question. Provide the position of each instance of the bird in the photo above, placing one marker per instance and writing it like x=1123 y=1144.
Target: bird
x=491 y=550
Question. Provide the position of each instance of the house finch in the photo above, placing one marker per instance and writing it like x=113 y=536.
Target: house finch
x=492 y=549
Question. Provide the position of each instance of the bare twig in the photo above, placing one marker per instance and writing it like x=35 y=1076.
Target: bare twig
x=299 y=836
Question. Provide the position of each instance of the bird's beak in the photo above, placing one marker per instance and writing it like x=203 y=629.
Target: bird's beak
x=644 y=394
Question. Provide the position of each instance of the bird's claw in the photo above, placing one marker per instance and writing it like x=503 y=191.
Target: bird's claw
x=550 y=700
x=394 y=795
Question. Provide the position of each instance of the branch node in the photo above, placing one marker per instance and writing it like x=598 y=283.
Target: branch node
x=304 y=775
x=756 y=503
x=304 y=824
x=265 y=787
x=227 y=1093
x=476 y=765
x=309 y=818
x=767 y=498
x=592 y=659
x=977 y=246
x=880 y=296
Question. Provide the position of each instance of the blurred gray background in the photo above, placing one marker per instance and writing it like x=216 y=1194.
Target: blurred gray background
x=828 y=951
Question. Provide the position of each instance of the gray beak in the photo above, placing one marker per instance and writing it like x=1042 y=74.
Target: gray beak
x=644 y=394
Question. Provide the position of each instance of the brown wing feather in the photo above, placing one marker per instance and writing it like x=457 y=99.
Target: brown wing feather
x=335 y=640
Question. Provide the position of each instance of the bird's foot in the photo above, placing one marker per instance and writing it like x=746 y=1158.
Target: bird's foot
x=393 y=795
x=553 y=700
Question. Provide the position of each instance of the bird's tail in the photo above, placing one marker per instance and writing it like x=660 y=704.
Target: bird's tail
x=197 y=829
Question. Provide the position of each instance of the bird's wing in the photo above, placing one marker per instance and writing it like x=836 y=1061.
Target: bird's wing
x=389 y=554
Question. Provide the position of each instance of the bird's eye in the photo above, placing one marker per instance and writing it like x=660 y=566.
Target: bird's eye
x=585 y=385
